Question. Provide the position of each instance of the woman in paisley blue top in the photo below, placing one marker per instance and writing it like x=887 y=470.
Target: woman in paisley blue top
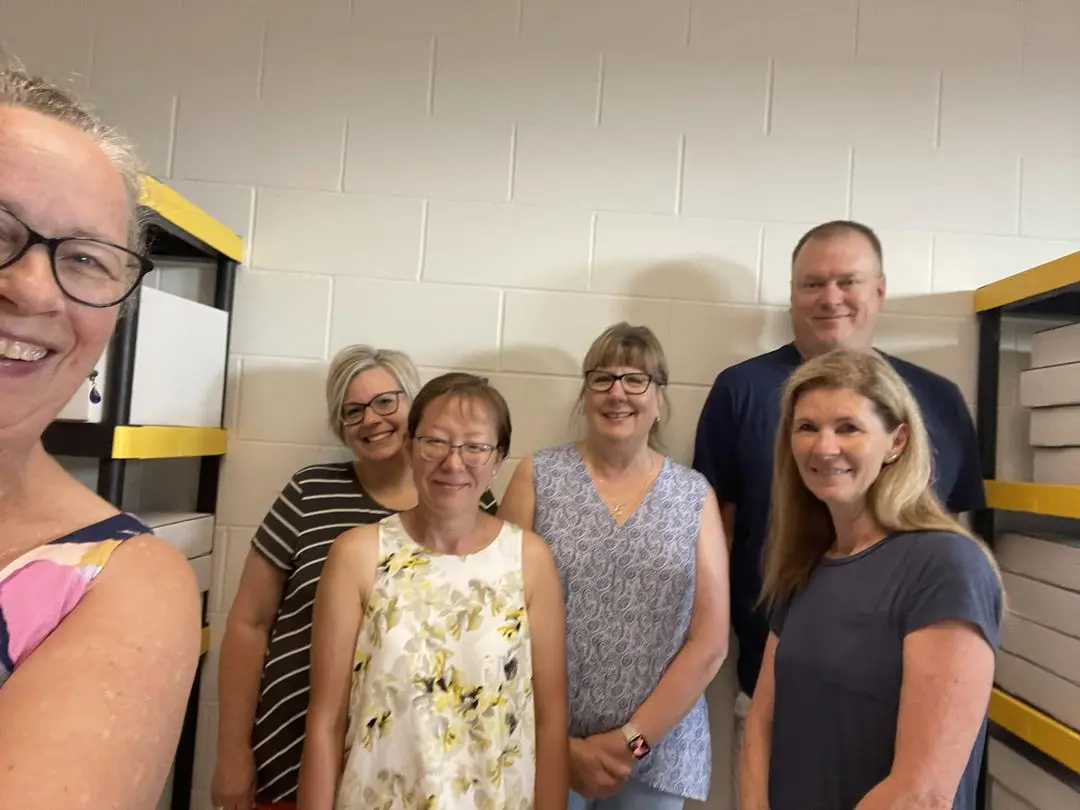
x=643 y=561
x=99 y=620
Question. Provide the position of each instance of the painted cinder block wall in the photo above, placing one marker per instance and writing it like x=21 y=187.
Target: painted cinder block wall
x=488 y=183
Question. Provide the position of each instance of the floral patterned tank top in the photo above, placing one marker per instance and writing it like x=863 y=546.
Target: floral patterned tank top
x=441 y=707
x=40 y=588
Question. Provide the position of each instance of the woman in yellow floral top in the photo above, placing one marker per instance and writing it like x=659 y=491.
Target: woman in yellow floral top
x=438 y=665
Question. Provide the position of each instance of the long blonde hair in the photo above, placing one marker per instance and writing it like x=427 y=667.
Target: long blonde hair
x=901 y=499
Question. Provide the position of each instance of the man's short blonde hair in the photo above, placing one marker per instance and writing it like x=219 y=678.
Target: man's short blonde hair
x=353 y=360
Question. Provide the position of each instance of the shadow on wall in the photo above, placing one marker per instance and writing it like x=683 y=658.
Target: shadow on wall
x=712 y=322
x=699 y=278
x=704 y=335
x=284 y=401
x=935 y=331
x=541 y=399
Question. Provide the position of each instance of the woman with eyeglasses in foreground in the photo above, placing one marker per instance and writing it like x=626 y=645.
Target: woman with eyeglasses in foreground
x=438 y=665
x=643 y=561
x=884 y=611
x=263 y=676
x=99 y=620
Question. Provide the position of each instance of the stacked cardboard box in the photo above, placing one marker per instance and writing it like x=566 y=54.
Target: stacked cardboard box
x=1039 y=661
x=1022 y=785
x=1050 y=388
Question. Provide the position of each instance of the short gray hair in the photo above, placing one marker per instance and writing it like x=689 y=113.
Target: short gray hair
x=353 y=360
x=20 y=89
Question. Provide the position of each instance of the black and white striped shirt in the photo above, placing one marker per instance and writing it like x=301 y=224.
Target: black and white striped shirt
x=317 y=505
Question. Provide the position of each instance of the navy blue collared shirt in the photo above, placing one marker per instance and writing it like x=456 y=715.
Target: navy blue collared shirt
x=734 y=450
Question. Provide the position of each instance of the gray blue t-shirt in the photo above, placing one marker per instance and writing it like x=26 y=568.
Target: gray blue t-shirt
x=839 y=663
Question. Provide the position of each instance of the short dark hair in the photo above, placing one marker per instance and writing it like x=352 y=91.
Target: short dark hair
x=837 y=227
x=466 y=386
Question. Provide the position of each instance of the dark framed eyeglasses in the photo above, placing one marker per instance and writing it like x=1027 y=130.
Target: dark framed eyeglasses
x=473 y=454
x=384 y=404
x=633 y=382
x=90 y=271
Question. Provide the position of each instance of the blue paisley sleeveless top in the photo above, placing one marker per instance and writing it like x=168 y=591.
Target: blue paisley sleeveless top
x=629 y=592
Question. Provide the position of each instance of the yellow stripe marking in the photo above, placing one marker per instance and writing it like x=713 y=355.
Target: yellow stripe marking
x=168 y=442
x=186 y=215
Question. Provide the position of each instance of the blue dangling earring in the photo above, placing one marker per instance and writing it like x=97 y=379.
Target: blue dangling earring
x=95 y=395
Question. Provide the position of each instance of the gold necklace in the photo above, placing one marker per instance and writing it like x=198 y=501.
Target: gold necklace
x=617 y=509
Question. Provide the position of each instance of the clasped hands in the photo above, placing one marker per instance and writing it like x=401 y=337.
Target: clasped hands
x=599 y=764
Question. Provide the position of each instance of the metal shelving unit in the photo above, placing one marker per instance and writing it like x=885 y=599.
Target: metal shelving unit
x=176 y=229
x=1049 y=291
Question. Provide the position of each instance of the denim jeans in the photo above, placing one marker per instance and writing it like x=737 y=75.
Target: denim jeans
x=633 y=796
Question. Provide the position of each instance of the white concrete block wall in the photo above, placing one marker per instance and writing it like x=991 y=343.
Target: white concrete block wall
x=488 y=183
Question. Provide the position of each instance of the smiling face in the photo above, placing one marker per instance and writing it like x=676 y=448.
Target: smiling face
x=837 y=290
x=840 y=444
x=627 y=409
x=450 y=480
x=56 y=180
x=381 y=433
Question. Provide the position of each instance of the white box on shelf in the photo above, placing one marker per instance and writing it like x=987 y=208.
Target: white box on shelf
x=1050 y=386
x=191 y=533
x=1045 y=604
x=180 y=362
x=1047 y=649
x=1053 y=347
x=1024 y=780
x=1038 y=687
x=1050 y=559
x=180 y=365
x=1056 y=465
x=1001 y=798
x=1054 y=427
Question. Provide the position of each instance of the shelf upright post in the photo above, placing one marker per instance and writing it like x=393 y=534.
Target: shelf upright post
x=986 y=426
x=210 y=466
x=119 y=384
x=986 y=410
x=205 y=501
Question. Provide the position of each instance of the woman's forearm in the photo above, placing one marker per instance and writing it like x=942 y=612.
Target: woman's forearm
x=685 y=680
x=552 y=765
x=320 y=766
x=754 y=765
x=240 y=672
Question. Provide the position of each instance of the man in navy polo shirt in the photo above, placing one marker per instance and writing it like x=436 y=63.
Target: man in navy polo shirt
x=837 y=290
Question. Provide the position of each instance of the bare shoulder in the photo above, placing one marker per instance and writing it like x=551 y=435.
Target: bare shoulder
x=139 y=623
x=535 y=549
x=154 y=580
x=539 y=570
x=358 y=540
x=524 y=470
x=151 y=588
x=351 y=563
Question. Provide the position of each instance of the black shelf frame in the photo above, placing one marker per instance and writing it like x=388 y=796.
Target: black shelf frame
x=166 y=240
x=1061 y=302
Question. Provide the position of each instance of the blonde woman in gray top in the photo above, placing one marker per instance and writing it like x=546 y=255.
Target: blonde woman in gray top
x=643 y=563
x=264 y=671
